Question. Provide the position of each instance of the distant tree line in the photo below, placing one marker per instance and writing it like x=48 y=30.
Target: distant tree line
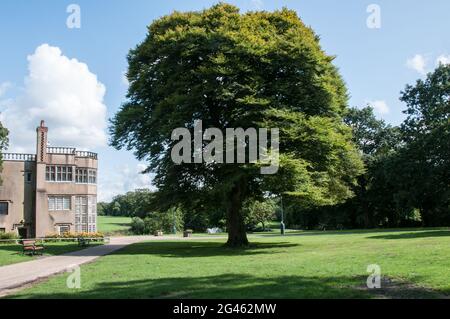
x=406 y=181
x=132 y=204
x=407 y=178
x=338 y=167
x=138 y=205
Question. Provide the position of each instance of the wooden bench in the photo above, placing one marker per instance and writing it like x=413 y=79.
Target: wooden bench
x=31 y=247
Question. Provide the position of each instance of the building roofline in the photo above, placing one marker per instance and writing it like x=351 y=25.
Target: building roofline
x=18 y=157
x=22 y=157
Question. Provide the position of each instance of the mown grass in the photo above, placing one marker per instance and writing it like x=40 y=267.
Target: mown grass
x=12 y=253
x=111 y=225
x=306 y=265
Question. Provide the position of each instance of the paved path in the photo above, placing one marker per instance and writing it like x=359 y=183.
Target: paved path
x=17 y=275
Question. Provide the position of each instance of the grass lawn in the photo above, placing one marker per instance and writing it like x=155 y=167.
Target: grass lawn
x=414 y=263
x=11 y=253
x=111 y=225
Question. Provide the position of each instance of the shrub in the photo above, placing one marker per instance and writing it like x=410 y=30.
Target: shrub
x=97 y=235
x=137 y=226
x=8 y=236
x=152 y=225
x=155 y=222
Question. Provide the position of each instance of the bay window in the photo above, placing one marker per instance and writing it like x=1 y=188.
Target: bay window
x=86 y=176
x=58 y=203
x=57 y=173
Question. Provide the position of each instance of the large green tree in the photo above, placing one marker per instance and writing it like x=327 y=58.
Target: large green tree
x=378 y=143
x=426 y=133
x=233 y=70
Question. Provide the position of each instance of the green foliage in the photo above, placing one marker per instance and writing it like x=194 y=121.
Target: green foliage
x=7 y=236
x=426 y=158
x=251 y=70
x=137 y=203
x=373 y=205
x=407 y=179
x=97 y=235
x=373 y=136
x=11 y=253
x=259 y=212
x=378 y=201
x=102 y=208
x=137 y=226
x=158 y=221
x=303 y=265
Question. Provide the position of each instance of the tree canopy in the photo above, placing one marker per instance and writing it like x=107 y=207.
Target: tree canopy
x=426 y=156
x=233 y=70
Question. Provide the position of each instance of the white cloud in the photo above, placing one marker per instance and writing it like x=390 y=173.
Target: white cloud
x=4 y=87
x=65 y=94
x=443 y=59
x=418 y=63
x=123 y=179
x=379 y=106
x=257 y=4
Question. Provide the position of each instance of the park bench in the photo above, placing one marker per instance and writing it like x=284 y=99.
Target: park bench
x=83 y=242
x=31 y=247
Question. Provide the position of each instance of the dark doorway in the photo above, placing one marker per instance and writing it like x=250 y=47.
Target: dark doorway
x=23 y=233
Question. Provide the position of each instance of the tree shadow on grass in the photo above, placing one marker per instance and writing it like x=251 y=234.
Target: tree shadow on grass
x=187 y=249
x=225 y=286
x=238 y=286
x=11 y=248
x=349 y=232
x=412 y=235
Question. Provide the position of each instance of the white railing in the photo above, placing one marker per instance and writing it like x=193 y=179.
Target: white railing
x=19 y=157
x=61 y=150
x=71 y=151
x=86 y=154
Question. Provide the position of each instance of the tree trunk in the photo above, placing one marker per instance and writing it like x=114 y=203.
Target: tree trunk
x=237 y=235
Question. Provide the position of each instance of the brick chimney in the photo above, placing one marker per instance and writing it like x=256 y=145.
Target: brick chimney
x=41 y=145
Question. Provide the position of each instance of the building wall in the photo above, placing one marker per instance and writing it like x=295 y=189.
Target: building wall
x=28 y=201
x=20 y=195
x=49 y=221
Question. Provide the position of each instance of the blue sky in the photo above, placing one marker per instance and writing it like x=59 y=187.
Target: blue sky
x=375 y=63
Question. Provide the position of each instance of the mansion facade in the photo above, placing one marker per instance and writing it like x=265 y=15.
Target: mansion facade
x=52 y=191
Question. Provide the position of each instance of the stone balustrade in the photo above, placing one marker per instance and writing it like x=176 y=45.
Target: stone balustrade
x=61 y=150
x=19 y=157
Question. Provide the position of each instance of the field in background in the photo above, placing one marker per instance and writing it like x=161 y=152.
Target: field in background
x=110 y=225
x=414 y=263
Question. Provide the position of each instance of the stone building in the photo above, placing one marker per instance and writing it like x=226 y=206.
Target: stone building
x=52 y=191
